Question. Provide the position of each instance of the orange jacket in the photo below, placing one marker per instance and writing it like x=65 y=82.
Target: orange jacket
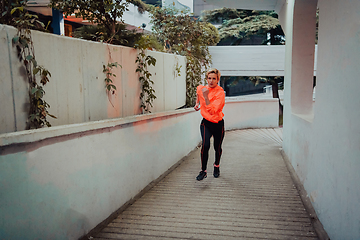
x=213 y=111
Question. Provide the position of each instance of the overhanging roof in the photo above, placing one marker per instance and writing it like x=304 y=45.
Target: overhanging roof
x=248 y=4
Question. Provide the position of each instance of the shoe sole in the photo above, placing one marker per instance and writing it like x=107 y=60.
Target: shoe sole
x=202 y=178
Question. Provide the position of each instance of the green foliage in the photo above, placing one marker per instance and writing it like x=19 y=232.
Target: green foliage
x=147 y=94
x=24 y=21
x=183 y=32
x=188 y=37
x=106 y=14
x=244 y=28
x=107 y=17
x=14 y=13
x=177 y=70
x=194 y=77
x=110 y=87
x=218 y=15
x=11 y=11
x=148 y=41
x=221 y=14
x=142 y=7
x=238 y=25
x=101 y=34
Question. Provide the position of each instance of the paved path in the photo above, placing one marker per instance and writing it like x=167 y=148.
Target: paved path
x=254 y=197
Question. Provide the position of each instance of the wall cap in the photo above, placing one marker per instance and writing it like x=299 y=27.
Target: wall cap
x=35 y=135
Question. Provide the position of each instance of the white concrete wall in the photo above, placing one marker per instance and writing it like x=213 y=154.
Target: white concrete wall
x=76 y=91
x=250 y=60
x=60 y=182
x=254 y=113
x=323 y=144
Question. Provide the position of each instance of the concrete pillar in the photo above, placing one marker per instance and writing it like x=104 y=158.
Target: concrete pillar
x=303 y=51
x=286 y=21
x=298 y=19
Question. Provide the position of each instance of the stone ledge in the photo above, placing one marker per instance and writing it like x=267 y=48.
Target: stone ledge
x=44 y=133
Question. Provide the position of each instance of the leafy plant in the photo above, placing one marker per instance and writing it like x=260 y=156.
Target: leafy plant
x=105 y=14
x=110 y=87
x=142 y=7
x=14 y=13
x=99 y=33
x=147 y=94
x=237 y=25
x=186 y=36
x=219 y=15
x=177 y=69
x=244 y=28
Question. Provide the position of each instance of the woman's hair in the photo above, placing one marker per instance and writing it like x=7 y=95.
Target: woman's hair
x=214 y=70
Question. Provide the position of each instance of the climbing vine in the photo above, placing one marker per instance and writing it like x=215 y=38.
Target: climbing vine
x=177 y=68
x=147 y=95
x=110 y=87
x=15 y=14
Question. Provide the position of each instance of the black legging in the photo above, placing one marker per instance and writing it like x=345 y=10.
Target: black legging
x=209 y=129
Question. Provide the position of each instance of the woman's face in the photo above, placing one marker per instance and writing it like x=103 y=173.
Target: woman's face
x=212 y=80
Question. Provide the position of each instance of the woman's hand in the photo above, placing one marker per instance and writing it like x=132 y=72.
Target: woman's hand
x=205 y=92
x=197 y=107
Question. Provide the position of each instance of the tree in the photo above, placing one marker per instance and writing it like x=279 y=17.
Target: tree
x=237 y=25
x=239 y=29
x=187 y=36
x=107 y=14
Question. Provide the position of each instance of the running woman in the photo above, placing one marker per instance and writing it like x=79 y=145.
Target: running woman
x=211 y=100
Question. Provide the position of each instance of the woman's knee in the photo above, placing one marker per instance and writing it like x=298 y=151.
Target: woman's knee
x=206 y=145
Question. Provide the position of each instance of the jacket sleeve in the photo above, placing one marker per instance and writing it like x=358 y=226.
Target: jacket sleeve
x=198 y=93
x=217 y=103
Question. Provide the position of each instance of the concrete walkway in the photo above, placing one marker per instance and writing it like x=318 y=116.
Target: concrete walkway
x=254 y=197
